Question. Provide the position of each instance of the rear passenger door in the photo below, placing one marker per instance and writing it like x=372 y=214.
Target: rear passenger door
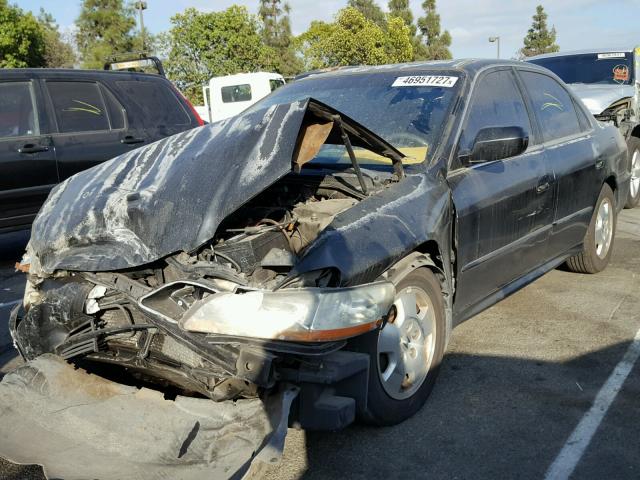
x=503 y=210
x=91 y=124
x=27 y=159
x=155 y=103
x=569 y=150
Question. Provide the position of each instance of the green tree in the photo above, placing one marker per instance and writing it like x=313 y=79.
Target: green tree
x=22 y=39
x=436 y=42
x=276 y=32
x=355 y=40
x=202 y=45
x=539 y=38
x=401 y=9
x=58 y=52
x=104 y=29
x=371 y=11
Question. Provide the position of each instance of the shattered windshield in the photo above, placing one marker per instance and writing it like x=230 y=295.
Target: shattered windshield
x=406 y=109
x=609 y=68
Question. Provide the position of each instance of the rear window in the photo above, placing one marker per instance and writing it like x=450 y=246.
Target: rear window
x=236 y=93
x=275 y=83
x=17 y=110
x=156 y=99
x=78 y=106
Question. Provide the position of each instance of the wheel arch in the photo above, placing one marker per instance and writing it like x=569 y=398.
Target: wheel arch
x=426 y=255
x=612 y=182
x=635 y=132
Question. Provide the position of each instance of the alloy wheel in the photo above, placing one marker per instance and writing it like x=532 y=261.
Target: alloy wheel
x=604 y=228
x=406 y=344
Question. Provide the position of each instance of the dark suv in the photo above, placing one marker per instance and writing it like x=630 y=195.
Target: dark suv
x=55 y=123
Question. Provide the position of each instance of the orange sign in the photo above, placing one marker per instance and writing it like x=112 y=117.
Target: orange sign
x=621 y=73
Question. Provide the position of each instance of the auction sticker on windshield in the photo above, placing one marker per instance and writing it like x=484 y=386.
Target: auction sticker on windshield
x=425 y=81
x=610 y=55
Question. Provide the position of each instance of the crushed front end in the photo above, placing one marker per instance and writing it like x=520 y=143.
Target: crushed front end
x=175 y=269
x=229 y=321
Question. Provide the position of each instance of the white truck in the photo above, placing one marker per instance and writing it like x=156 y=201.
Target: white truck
x=227 y=96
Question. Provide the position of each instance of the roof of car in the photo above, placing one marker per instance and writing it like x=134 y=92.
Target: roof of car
x=469 y=65
x=73 y=71
x=582 y=52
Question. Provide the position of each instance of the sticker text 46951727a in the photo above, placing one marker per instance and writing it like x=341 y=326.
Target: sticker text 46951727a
x=425 y=81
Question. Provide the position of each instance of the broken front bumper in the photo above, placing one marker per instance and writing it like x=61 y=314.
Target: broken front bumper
x=81 y=425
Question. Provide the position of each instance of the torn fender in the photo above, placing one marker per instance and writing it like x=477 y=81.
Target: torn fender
x=364 y=241
x=171 y=195
x=78 y=426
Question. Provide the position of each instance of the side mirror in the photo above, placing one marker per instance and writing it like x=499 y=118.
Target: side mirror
x=496 y=143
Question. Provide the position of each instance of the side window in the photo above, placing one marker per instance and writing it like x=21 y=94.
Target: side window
x=275 y=83
x=157 y=101
x=552 y=105
x=116 y=111
x=236 y=93
x=497 y=102
x=18 y=115
x=78 y=106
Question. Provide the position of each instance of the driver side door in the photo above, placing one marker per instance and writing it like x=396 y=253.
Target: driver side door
x=504 y=208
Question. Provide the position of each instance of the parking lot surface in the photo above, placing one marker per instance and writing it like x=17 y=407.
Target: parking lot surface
x=516 y=388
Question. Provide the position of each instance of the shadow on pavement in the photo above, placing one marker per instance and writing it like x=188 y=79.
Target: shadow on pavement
x=488 y=417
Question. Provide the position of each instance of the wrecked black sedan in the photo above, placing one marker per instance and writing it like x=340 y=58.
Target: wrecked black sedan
x=327 y=240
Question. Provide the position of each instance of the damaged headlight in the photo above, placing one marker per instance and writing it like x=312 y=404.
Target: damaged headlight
x=304 y=314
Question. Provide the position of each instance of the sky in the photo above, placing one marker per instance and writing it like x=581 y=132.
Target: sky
x=579 y=23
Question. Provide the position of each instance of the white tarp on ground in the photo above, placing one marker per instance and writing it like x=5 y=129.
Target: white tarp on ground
x=78 y=426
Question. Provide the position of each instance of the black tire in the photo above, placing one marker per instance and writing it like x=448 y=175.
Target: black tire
x=381 y=408
x=633 y=144
x=588 y=261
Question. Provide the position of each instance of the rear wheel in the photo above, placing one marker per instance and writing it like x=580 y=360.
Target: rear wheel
x=634 y=160
x=406 y=353
x=598 y=242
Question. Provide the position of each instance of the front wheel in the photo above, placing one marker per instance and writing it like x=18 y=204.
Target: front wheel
x=598 y=243
x=406 y=353
x=634 y=185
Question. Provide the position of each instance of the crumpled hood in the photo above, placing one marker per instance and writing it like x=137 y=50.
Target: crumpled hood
x=598 y=98
x=171 y=195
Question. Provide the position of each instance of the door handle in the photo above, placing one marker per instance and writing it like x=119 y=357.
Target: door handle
x=543 y=186
x=131 y=140
x=599 y=163
x=33 y=148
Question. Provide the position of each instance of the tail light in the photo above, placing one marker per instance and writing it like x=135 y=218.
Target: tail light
x=191 y=107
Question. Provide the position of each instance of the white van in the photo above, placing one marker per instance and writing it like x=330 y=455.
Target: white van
x=227 y=96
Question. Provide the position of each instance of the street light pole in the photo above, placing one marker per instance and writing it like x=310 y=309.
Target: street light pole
x=140 y=6
x=497 y=41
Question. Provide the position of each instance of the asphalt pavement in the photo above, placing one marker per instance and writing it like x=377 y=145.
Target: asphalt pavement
x=545 y=378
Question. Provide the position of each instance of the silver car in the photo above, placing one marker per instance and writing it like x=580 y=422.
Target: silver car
x=606 y=81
